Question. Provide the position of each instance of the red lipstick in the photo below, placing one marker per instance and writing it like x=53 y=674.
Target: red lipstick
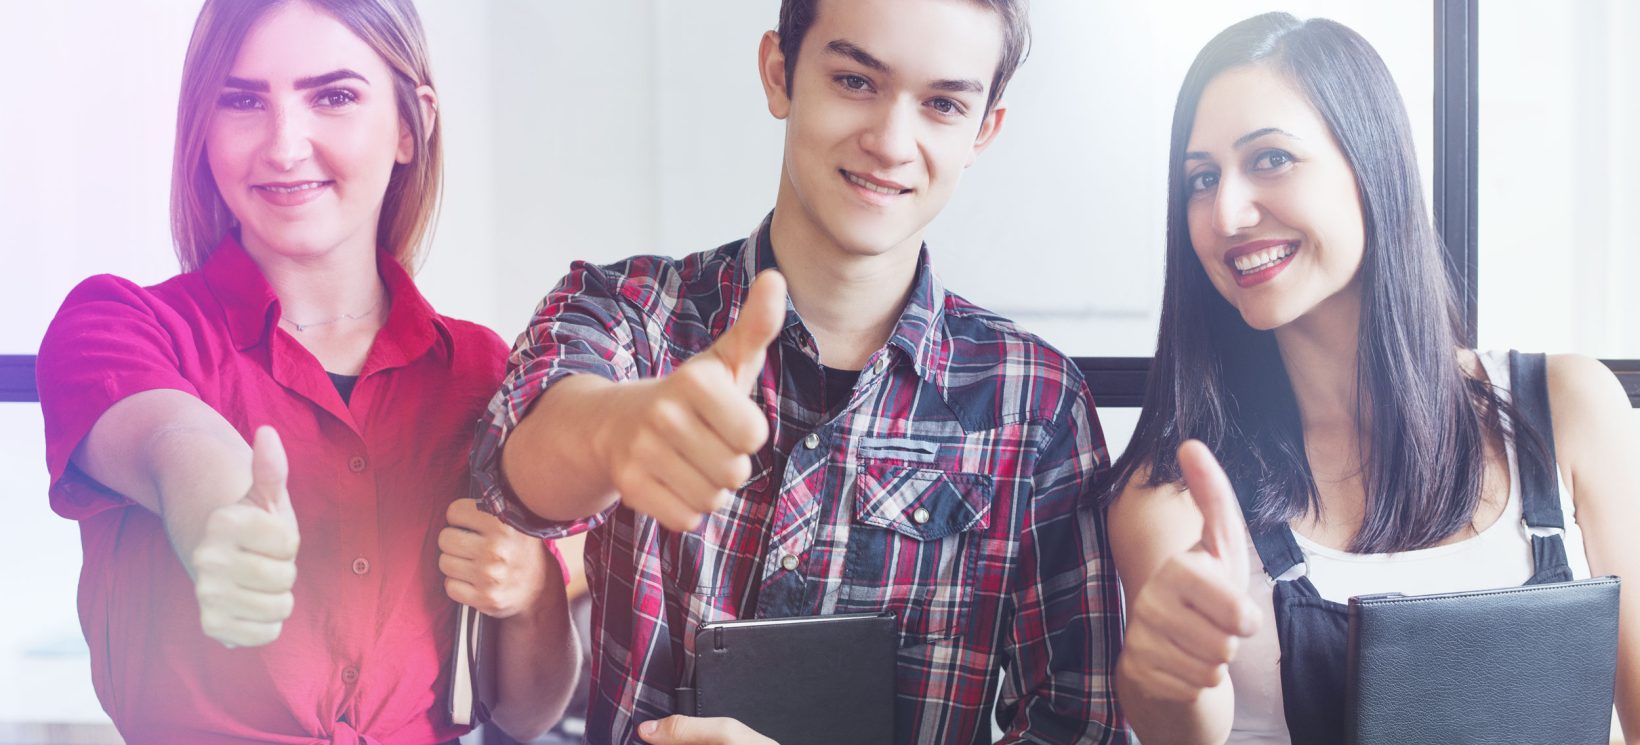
x=1265 y=271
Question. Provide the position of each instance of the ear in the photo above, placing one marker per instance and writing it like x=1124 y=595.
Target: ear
x=988 y=129
x=771 y=65
x=427 y=104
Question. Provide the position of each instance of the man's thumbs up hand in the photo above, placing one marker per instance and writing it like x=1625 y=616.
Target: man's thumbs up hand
x=676 y=446
x=762 y=314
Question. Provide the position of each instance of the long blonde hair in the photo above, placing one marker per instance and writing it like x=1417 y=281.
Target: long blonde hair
x=199 y=217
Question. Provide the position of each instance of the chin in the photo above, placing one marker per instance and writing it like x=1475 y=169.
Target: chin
x=298 y=244
x=1264 y=319
x=868 y=237
x=865 y=247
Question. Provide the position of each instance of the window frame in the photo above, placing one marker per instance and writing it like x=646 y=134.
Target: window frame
x=17 y=378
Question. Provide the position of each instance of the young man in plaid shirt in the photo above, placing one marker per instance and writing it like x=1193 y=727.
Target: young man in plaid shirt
x=874 y=443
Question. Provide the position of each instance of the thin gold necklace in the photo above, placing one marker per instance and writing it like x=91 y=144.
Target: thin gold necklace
x=343 y=317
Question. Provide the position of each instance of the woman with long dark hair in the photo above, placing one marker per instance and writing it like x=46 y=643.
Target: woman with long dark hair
x=267 y=453
x=1309 y=341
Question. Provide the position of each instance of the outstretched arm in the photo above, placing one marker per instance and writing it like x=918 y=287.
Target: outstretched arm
x=669 y=447
x=223 y=504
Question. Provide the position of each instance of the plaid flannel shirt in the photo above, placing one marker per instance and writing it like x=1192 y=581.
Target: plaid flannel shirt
x=953 y=489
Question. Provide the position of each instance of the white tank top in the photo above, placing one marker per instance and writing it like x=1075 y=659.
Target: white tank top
x=1499 y=556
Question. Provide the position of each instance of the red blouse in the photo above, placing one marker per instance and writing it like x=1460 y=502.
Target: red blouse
x=362 y=656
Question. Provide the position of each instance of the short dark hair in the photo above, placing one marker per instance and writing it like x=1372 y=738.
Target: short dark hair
x=1219 y=380
x=796 y=16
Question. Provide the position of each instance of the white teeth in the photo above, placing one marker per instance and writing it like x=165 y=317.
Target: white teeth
x=294 y=189
x=1261 y=260
x=862 y=183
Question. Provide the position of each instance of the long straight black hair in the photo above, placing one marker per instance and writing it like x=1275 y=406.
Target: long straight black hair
x=1423 y=420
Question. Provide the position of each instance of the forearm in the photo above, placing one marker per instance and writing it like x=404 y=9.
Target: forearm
x=1204 y=721
x=552 y=461
x=539 y=657
x=172 y=454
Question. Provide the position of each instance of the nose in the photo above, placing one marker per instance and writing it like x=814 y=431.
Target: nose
x=891 y=137
x=1235 y=206
x=288 y=142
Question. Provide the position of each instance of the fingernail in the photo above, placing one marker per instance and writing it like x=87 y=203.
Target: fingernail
x=647 y=728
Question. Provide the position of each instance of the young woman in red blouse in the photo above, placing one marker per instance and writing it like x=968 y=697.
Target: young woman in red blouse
x=267 y=453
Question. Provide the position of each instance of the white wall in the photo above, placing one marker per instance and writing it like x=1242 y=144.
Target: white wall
x=599 y=130
x=1559 y=253
x=85 y=149
x=643 y=129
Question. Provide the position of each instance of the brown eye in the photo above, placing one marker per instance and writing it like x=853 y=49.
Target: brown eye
x=239 y=102
x=1201 y=182
x=946 y=106
x=336 y=98
x=1271 y=160
x=854 y=82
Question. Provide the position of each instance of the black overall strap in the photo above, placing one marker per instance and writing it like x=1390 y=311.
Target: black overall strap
x=1275 y=543
x=1534 y=441
x=1312 y=633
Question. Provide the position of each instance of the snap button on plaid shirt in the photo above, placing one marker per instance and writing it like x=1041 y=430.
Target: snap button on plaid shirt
x=953 y=489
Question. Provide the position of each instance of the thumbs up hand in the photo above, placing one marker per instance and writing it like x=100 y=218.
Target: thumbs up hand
x=245 y=564
x=1224 y=533
x=741 y=349
x=677 y=445
x=1187 y=619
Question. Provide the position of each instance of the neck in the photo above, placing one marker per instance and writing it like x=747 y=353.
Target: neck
x=849 y=301
x=333 y=303
x=316 y=289
x=1319 y=352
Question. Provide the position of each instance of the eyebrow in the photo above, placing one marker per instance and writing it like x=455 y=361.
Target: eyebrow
x=1257 y=133
x=959 y=86
x=261 y=86
x=853 y=51
x=1242 y=141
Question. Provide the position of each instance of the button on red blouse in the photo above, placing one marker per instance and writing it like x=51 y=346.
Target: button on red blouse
x=362 y=656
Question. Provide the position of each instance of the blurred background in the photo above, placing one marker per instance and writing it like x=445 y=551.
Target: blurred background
x=597 y=130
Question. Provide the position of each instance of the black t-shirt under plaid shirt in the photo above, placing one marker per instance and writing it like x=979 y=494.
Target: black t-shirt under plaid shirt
x=953 y=488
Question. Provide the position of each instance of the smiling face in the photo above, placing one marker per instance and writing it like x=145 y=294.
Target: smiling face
x=887 y=109
x=1273 y=207
x=305 y=136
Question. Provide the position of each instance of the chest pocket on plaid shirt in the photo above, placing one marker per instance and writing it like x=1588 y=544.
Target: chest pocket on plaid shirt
x=912 y=547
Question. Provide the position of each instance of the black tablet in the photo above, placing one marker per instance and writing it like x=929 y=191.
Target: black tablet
x=811 y=679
